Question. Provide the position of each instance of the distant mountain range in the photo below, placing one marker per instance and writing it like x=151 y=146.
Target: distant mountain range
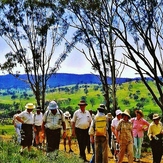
x=59 y=79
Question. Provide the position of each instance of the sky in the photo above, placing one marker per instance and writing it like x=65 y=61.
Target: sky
x=75 y=63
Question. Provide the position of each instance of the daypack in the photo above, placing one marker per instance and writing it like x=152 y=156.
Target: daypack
x=47 y=114
x=100 y=126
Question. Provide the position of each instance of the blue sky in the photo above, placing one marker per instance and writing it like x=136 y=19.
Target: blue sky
x=75 y=63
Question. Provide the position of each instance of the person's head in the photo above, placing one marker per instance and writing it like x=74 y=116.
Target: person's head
x=126 y=115
x=53 y=107
x=103 y=106
x=118 y=114
x=67 y=115
x=38 y=109
x=101 y=109
x=156 y=118
x=30 y=107
x=139 y=114
x=82 y=104
x=18 y=112
x=110 y=117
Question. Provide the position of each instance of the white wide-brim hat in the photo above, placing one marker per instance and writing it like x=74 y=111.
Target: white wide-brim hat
x=52 y=105
x=67 y=114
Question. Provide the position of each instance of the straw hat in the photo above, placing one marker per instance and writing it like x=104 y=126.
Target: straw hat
x=140 y=112
x=126 y=112
x=82 y=102
x=67 y=114
x=156 y=116
x=110 y=116
x=29 y=106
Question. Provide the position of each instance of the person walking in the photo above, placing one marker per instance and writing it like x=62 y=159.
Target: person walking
x=80 y=125
x=125 y=137
x=155 y=133
x=26 y=118
x=114 y=124
x=68 y=130
x=139 y=126
x=38 y=116
x=99 y=136
x=17 y=126
x=53 y=122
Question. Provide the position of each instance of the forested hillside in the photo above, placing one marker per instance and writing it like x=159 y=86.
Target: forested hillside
x=59 y=79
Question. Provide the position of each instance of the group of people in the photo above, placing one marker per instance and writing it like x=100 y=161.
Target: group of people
x=127 y=133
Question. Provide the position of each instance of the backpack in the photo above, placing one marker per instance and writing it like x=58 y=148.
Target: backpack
x=47 y=114
x=100 y=125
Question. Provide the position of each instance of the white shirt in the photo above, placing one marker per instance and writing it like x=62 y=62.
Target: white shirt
x=82 y=120
x=115 y=122
x=27 y=117
x=38 y=119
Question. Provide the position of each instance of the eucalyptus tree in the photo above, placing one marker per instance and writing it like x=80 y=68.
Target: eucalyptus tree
x=141 y=32
x=33 y=29
x=96 y=41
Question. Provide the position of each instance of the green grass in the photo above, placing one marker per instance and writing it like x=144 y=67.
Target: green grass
x=9 y=153
x=72 y=99
x=7 y=130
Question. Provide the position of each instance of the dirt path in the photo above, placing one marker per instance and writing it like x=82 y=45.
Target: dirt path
x=146 y=157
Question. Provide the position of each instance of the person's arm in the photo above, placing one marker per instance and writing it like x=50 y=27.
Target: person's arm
x=113 y=130
x=19 y=119
x=149 y=133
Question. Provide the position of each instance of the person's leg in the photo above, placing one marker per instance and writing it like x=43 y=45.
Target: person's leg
x=140 y=141
x=56 y=141
x=122 y=150
x=49 y=140
x=104 y=150
x=97 y=150
x=130 y=152
x=18 y=129
x=135 y=147
x=81 y=136
x=64 y=142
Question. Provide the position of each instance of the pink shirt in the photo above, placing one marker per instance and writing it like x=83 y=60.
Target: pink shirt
x=139 y=126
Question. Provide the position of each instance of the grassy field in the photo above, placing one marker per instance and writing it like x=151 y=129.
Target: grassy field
x=126 y=97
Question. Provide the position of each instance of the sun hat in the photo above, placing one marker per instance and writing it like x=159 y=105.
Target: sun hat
x=82 y=102
x=126 y=112
x=29 y=106
x=103 y=106
x=140 y=112
x=117 y=112
x=38 y=108
x=67 y=114
x=110 y=116
x=156 y=116
x=52 y=105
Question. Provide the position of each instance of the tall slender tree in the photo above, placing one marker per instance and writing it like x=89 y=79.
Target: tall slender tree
x=141 y=32
x=98 y=42
x=33 y=29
